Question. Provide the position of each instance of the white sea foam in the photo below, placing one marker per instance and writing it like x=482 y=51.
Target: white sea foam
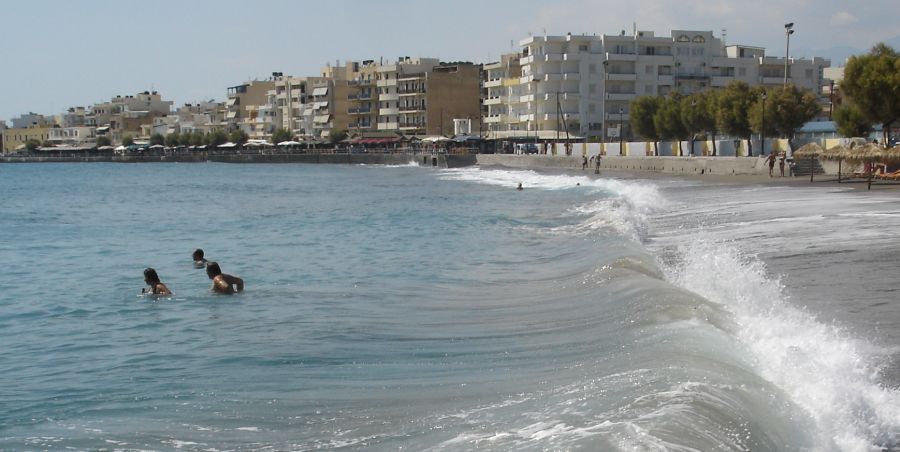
x=822 y=368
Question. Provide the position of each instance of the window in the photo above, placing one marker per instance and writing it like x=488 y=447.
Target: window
x=697 y=51
x=699 y=39
x=684 y=38
x=582 y=48
x=651 y=50
x=684 y=51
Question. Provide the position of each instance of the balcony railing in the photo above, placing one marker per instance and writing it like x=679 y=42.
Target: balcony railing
x=410 y=90
x=360 y=110
x=411 y=108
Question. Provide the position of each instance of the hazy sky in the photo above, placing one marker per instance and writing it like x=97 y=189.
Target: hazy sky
x=58 y=54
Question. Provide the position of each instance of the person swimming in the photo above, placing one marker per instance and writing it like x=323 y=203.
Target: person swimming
x=199 y=260
x=156 y=286
x=519 y=187
x=223 y=283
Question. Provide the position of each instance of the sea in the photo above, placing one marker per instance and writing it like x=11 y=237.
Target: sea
x=424 y=309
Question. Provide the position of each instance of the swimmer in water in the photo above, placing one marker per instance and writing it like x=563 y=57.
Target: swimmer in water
x=156 y=286
x=519 y=187
x=223 y=283
x=199 y=260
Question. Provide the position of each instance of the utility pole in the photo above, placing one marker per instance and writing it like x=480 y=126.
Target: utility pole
x=788 y=31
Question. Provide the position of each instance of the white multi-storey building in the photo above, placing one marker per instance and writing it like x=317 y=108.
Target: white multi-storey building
x=585 y=84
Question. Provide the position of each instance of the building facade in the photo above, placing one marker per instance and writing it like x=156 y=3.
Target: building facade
x=584 y=84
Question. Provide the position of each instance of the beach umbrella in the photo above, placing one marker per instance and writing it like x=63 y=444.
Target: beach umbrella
x=810 y=151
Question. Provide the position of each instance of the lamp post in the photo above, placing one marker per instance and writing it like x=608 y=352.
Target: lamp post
x=762 y=130
x=788 y=31
x=693 y=119
x=621 y=131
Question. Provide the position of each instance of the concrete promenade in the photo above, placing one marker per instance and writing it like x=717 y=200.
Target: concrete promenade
x=683 y=166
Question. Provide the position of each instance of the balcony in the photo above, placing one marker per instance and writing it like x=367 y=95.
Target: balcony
x=665 y=79
x=412 y=76
x=388 y=126
x=410 y=125
x=494 y=100
x=359 y=111
x=387 y=82
x=388 y=111
x=410 y=108
x=526 y=60
x=720 y=81
x=388 y=97
x=495 y=119
x=573 y=76
x=369 y=82
x=493 y=83
x=360 y=125
x=360 y=96
x=411 y=91
x=621 y=57
x=621 y=77
x=552 y=77
x=620 y=96
x=554 y=57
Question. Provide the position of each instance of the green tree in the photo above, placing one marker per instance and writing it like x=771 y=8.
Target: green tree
x=31 y=144
x=280 y=135
x=103 y=141
x=238 y=136
x=787 y=109
x=851 y=122
x=196 y=138
x=216 y=138
x=157 y=139
x=173 y=139
x=763 y=108
x=127 y=140
x=642 y=112
x=732 y=107
x=699 y=112
x=668 y=120
x=337 y=135
x=47 y=144
x=872 y=81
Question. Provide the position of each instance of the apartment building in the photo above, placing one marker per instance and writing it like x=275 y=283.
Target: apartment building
x=422 y=96
x=79 y=136
x=500 y=82
x=126 y=115
x=243 y=108
x=14 y=138
x=584 y=84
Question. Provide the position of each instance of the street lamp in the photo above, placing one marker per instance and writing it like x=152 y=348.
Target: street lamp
x=693 y=120
x=762 y=130
x=788 y=31
x=621 y=131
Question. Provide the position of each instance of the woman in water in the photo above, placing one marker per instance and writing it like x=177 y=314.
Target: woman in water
x=156 y=286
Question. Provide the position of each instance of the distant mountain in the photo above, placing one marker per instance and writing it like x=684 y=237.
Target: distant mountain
x=839 y=54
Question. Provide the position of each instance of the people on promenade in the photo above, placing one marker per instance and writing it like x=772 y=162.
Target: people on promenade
x=156 y=286
x=223 y=283
x=771 y=160
x=199 y=260
x=584 y=162
x=781 y=163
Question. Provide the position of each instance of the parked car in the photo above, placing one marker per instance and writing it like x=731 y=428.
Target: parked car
x=529 y=148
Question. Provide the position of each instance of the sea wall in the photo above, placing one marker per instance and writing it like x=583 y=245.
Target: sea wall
x=662 y=164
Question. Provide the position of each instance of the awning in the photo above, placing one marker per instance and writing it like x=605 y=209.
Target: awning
x=321 y=104
x=103 y=128
x=320 y=91
x=227 y=145
x=231 y=102
x=321 y=119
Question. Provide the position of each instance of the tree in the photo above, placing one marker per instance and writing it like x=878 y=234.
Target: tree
x=281 y=134
x=643 y=110
x=872 y=81
x=763 y=110
x=103 y=141
x=216 y=138
x=196 y=139
x=337 y=135
x=668 y=120
x=703 y=113
x=32 y=144
x=173 y=139
x=851 y=122
x=733 y=104
x=238 y=136
x=787 y=109
x=157 y=139
x=127 y=140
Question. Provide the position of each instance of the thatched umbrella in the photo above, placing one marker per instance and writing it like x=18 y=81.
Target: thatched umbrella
x=868 y=154
x=838 y=153
x=810 y=151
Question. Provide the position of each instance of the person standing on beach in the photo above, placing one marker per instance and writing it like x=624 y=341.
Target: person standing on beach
x=771 y=160
x=223 y=283
x=781 y=163
x=584 y=162
x=156 y=286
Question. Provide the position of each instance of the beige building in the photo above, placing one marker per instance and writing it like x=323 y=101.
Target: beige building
x=127 y=115
x=14 y=139
x=242 y=109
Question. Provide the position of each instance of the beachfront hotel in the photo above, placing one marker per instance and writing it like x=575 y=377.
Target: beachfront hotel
x=584 y=84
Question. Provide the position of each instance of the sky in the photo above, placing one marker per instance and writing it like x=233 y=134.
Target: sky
x=57 y=54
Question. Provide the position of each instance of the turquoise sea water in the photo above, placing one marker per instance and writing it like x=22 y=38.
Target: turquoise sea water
x=412 y=308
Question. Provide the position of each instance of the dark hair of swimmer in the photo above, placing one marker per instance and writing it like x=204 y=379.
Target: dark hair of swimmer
x=213 y=270
x=198 y=254
x=150 y=276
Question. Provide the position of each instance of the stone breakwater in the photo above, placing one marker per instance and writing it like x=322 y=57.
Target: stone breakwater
x=667 y=165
